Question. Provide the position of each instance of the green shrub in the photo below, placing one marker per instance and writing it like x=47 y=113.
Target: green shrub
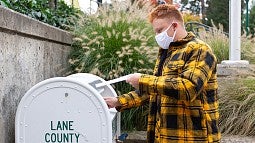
x=62 y=17
x=114 y=42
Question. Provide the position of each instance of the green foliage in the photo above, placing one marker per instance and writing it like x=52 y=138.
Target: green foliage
x=218 y=11
x=118 y=41
x=63 y=16
x=135 y=119
x=252 y=21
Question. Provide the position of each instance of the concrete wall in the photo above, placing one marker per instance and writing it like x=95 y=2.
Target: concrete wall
x=30 y=52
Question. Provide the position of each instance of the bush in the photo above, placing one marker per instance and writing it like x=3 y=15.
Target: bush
x=114 y=42
x=248 y=48
x=218 y=41
x=237 y=104
x=62 y=17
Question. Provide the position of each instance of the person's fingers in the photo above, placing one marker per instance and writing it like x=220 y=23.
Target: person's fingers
x=130 y=79
x=111 y=102
x=133 y=79
x=106 y=98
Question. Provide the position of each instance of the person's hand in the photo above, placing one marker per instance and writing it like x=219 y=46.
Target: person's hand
x=112 y=102
x=133 y=79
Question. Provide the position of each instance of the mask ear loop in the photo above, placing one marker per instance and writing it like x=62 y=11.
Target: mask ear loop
x=169 y=28
x=174 y=34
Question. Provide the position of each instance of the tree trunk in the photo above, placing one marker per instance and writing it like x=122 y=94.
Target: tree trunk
x=203 y=9
x=99 y=3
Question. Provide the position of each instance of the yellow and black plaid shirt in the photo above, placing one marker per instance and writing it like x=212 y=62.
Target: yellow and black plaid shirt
x=182 y=94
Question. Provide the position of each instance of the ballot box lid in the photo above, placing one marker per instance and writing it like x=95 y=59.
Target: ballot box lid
x=64 y=109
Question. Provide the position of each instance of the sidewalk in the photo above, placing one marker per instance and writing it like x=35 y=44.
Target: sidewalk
x=140 y=137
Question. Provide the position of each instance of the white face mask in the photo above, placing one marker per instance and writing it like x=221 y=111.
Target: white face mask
x=164 y=40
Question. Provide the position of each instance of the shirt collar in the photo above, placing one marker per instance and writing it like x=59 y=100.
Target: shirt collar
x=190 y=36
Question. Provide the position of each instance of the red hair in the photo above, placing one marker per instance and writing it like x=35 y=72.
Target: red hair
x=166 y=11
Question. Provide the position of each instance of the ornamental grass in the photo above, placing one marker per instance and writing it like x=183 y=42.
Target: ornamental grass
x=118 y=40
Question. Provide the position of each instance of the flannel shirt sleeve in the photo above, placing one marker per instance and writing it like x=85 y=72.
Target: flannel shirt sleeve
x=188 y=84
x=131 y=99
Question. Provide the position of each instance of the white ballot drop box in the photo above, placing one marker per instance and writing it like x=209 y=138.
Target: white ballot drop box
x=67 y=110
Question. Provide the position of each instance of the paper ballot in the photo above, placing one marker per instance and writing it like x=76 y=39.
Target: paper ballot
x=122 y=78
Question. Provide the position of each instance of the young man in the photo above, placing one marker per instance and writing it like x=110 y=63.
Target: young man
x=182 y=93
